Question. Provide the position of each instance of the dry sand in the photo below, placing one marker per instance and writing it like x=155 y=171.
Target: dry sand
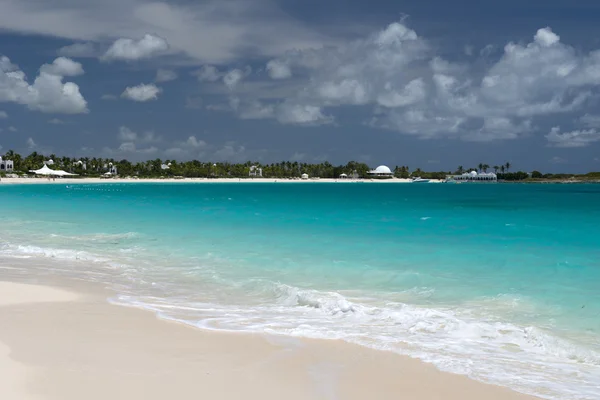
x=61 y=344
x=68 y=181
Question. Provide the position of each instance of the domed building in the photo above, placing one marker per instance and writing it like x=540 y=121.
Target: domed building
x=381 y=172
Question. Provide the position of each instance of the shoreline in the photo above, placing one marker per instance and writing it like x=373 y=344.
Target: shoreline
x=67 y=341
x=74 y=181
x=196 y=180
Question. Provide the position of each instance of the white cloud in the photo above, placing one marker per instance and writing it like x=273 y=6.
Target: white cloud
x=48 y=93
x=195 y=143
x=165 y=75
x=56 y=121
x=256 y=110
x=414 y=92
x=127 y=135
x=131 y=141
x=130 y=49
x=63 y=66
x=141 y=92
x=12 y=129
x=31 y=144
x=3 y=115
x=129 y=147
x=230 y=152
x=302 y=115
x=232 y=78
x=85 y=49
x=210 y=31
x=590 y=120
x=208 y=73
x=278 y=69
x=575 y=138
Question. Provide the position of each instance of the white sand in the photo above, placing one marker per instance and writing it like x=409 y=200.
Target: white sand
x=58 y=345
x=67 y=181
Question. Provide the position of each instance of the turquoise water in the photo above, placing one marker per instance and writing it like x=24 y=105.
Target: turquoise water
x=499 y=282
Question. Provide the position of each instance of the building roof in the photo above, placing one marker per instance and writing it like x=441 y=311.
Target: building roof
x=382 y=169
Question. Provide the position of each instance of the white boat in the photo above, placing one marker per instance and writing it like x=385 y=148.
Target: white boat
x=420 y=180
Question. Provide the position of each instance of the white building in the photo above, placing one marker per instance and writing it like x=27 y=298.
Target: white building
x=165 y=166
x=255 y=172
x=49 y=162
x=6 y=165
x=81 y=164
x=473 y=176
x=112 y=169
x=304 y=176
x=381 y=172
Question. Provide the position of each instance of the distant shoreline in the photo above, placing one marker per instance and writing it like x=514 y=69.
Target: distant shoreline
x=85 y=180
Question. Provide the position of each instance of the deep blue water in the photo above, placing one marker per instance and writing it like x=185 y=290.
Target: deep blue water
x=497 y=281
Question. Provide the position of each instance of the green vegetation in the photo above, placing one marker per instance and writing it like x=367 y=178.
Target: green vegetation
x=96 y=167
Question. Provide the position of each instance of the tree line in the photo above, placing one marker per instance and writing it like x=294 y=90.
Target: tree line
x=96 y=166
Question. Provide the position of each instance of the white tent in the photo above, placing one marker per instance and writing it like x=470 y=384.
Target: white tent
x=50 y=172
x=43 y=171
x=63 y=173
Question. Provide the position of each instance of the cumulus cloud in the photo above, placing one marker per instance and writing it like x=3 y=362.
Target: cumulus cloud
x=3 y=115
x=75 y=50
x=256 y=110
x=195 y=143
x=141 y=92
x=127 y=135
x=413 y=91
x=127 y=49
x=130 y=142
x=278 y=69
x=47 y=93
x=165 y=75
x=208 y=73
x=233 y=77
x=62 y=66
x=302 y=114
x=575 y=138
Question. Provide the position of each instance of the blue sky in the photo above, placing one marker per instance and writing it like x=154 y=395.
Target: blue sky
x=430 y=84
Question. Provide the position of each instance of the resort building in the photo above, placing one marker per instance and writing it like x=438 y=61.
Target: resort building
x=304 y=176
x=381 y=172
x=81 y=164
x=6 y=165
x=165 y=166
x=112 y=169
x=473 y=176
x=255 y=172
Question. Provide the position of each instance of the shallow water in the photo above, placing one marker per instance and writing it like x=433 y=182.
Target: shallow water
x=499 y=282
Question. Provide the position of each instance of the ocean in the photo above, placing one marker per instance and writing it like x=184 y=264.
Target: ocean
x=500 y=282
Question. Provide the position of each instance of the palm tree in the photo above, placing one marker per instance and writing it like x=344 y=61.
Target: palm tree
x=502 y=168
x=496 y=168
x=480 y=167
x=460 y=169
x=507 y=165
x=485 y=167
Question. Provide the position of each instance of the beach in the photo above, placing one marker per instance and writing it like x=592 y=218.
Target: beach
x=68 y=343
x=67 y=181
x=330 y=288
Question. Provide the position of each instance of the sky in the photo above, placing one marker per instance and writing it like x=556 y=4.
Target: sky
x=430 y=84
